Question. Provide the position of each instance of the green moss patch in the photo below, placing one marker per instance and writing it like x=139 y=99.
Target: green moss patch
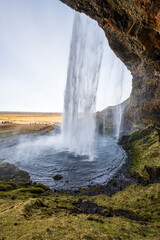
x=133 y=213
x=144 y=147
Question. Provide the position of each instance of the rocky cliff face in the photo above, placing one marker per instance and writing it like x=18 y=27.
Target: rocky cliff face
x=132 y=28
x=106 y=122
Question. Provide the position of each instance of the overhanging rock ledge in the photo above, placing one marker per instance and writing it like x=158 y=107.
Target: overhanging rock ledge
x=132 y=28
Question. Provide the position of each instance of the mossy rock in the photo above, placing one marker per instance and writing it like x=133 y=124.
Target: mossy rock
x=37 y=190
x=44 y=187
x=6 y=187
x=23 y=190
x=9 y=172
x=144 y=148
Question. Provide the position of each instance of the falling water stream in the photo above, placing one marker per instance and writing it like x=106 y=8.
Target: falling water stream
x=117 y=113
x=116 y=80
x=82 y=157
x=85 y=59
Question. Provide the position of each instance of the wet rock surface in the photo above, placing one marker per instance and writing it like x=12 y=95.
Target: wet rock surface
x=57 y=177
x=9 y=172
x=110 y=125
x=133 y=31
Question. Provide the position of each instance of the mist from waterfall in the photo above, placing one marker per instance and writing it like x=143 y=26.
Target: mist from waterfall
x=118 y=112
x=114 y=88
x=86 y=50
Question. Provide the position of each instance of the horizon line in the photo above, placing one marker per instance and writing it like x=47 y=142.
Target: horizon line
x=28 y=112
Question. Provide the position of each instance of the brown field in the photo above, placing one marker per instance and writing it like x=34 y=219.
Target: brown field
x=20 y=123
x=27 y=118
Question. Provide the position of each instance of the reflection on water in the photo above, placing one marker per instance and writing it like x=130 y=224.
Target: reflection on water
x=44 y=157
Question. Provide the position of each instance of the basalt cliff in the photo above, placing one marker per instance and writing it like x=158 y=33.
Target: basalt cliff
x=132 y=28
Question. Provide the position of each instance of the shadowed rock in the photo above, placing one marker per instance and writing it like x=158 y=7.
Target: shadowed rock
x=110 y=125
x=133 y=32
x=57 y=177
x=9 y=172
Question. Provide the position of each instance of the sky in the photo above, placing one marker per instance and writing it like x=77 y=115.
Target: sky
x=34 y=50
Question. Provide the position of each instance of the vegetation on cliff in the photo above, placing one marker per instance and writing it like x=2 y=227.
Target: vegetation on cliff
x=144 y=147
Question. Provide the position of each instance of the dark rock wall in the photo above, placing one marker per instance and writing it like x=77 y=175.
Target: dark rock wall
x=132 y=28
x=110 y=124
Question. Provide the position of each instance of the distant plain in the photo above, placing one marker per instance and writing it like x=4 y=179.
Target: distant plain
x=27 y=122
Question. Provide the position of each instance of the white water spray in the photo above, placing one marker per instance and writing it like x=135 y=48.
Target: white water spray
x=78 y=127
x=116 y=82
x=117 y=115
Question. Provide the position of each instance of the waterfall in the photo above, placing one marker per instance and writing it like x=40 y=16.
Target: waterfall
x=114 y=88
x=78 y=127
x=117 y=116
x=104 y=123
x=117 y=74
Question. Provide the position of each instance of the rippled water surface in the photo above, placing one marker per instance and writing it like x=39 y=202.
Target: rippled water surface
x=44 y=157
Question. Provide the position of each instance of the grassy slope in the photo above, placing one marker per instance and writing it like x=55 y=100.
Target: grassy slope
x=46 y=215
x=36 y=212
x=144 y=147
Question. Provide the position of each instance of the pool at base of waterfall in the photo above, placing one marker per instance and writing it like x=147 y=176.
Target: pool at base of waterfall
x=45 y=157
